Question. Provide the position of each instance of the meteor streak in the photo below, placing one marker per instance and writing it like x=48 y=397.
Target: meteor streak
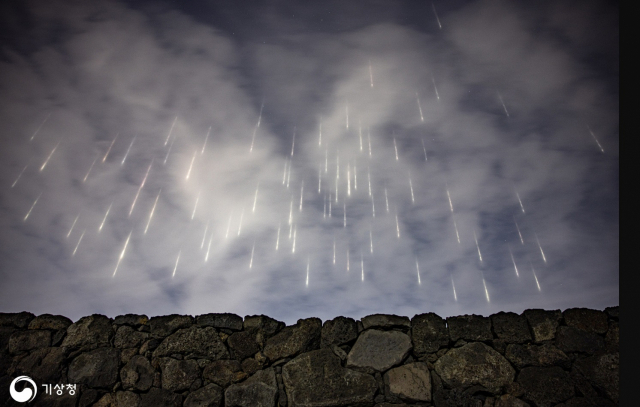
x=170 y=131
x=252 y=250
x=176 y=266
x=73 y=225
x=204 y=236
x=361 y=267
x=32 y=206
x=419 y=107
x=153 y=209
x=425 y=150
x=486 y=292
x=319 y=179
x=455 y=296
x=293 y=143
x=193 y=214
x=386 y=198
x=413 y=200
x=226 y=236
x=19 y=175
x=514 y=263
x=371 y=240
x=240 y=224
x=355 y=177
x=90 y=168
x=535 y=277
x=140 y=188
x=520 y=200
x=596 y=140
x=503 y=105
x=369 y=138
x=450 y=203
x=126 y=243
x=110 y=146
x=255 y=198
x=78 y=244
x=168 y=151
x=39 y=127
x=334 y=250
x=418 y=271
x=456 y=228
x=205 y=140
x=308 y=264
x=373 y=208
x=206 y=257
x=436 y=14
x=360 y=133
x=128 y=150
x=345 y=215
x=395 y=146
x=477 y=246
x=278 y=238
x=105 y=217
x=193 y=159
x=540 y=247
x=435 y=87
x=301 y=196
x=371 y=74
x=284 y=175
x=49 y=157
x=397 y=226
x=369 y=180
x=518 y=229
x=320 y=135
x=293 y=248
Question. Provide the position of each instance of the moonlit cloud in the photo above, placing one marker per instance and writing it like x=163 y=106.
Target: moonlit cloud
x=506 y=115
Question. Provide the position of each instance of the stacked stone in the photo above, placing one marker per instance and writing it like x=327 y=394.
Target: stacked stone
x=538 y=358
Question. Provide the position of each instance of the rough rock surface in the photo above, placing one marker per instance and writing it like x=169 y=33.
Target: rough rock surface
x=133 y=320
x=338 y=331
x=160 y=398
x=48 y=321
x=470 y=328
x=89 y=333
x=44 y=365
x=178 y=375
x=317 y=379
x=23 y=341
x=543 y=323
x=378 y=350
x=193 y=342
x=603 y=372
x=220 y=321
x=410 y=382
x=208 y=396
x=137 y=374
x=260 y=390
x=168 y=324
x=511 y=327
x=386 y=321
x=545 y=386
x=570 y=339
x=224 y=372
x=475 y=364
x=243 y=344
x=292 y=340
x=428 y=333
x=127 y=337
x=588 y=320
x=96 y=368
x=536 y=355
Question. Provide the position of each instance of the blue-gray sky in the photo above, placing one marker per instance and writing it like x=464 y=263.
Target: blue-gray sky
x=195 y=157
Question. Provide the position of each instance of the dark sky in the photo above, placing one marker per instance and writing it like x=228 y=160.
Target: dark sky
x=300 y=159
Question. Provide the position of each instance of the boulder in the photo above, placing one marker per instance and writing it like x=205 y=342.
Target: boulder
x=137 y=374
x=127 y=337
x=469 y=328
x=613 y=312
x=208 y=396
x=260 y=390
x=378 y=350
x=267 y=325
x=507 y=400
x=317 y=379
x=178 y=375
x=386 y=321
x=510 y=327
x=292 y=340
x=543 y=323
x=603 y=372
x=168 y=324
x=43 y=365
x=96 y=368
x=19 y=320
x=89 y=333
x=410 y=382
x=475 y=364
x=428 y=333
x=570 y=339
x=127 y=398
x=193 y=342
x=243 y=344
x=545 y=386
x=132 y=320
x=338 y=331
x=220 y=321
x=24 y=341
x=48 y=321
x=612 y=339
x=586 y=319
x=536 y=355
x=224 y=372
x=160 y=398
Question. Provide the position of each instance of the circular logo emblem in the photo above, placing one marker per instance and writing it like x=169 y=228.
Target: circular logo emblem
x=26 y=394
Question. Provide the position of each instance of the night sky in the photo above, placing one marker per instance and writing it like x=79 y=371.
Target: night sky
x=308 y=159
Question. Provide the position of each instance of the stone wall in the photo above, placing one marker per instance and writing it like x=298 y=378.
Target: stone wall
x=538 y=358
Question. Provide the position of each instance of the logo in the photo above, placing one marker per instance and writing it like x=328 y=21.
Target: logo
x=26 y=394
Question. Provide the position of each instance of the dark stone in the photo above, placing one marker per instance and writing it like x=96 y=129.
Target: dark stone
x=58 y=336
x=511 y=327
x=168 y=324
x=543 y=323
x=292 y=340
x=612 y=339
x=88 y=397
x=536 y=355
x=137 y=374
x=338 y=331
x=24 y=341
x=409 y=382
x=193 y=342
x=250 y=366
x=268 y=326
x=470 y=328
x=220 y=321
x=545 y=386
x=428 y=333
x=570 y=339
x=587 y=402
x=475 y=364
x=317 y=378
x=586 y=319
x=613 y=312
x=5 y=334
x=378 y=350
x=19 y=320
x=224 y=372
x=43 y=365
x=507 y=400
x=178 y=375
x=127 y=337
x=96 y=368
x=160 y=398
x=132 y=320
x=127 y=398
x=48 y=321
x=208 y=396
x=386 y=321
x=243 y=344
x=603 y=372
x=260 y=390
x=89 y=333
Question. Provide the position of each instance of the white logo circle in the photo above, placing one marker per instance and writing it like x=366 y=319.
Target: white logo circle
x=26 y=394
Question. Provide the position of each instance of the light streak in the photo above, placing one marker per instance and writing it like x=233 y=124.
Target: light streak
x=486 y=292
x=90 y=168
x=334 y=250
x=477 y=245
x=126 y=243
x=19 y=175
x=455 y=225
x=413 y=199
x=535 y=277
x=348 y=259
x=455 y=296
x=293 y=142
x=168 y=151
x=371 y=74
x=336 y=190
x=395 y=146
x=206 y=257
x=360 y=133
x=307 y=280
x=260 y=115
x=319 y=179
x=435 y=87
x=49 y=157
x=240 y=224
x=226 y=236
x=373 y=208
x=503 y=105
x=78 y=244
x=371 y=240
x=128 y=150
x=284 y=174
x=450 y=203
x=369 y=138
x=32 y=206
x=345 y=215
x=204 y=236
x=596 y=140
x=193 y=214
x=278 y=238
x=301 y=196
x=369 y=179
x=355 y=177
x=253 y=248
x=105 y=217
x=39 y=127
x=110 y=146
x=176 y=266
x=361 y=267
x=205 y=140
x=520 y=200
x=436 y=14
x=348 y=180
x=170 y=131
x=193 y=159
x=255 y=198
x=73 y=225
x=419 y=107
x=289 y=174
x=418 y=271
x=540 y=247
x=514 y=263
x=329 y=204
x=424 y=149
x=518 y=229
x=397 y=226
x=293 y=248
x=386 y=199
